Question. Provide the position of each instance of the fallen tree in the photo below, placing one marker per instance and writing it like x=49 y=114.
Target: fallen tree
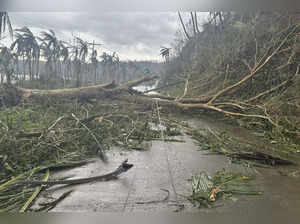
x=11 y=96
x=225 y=100
x=124 y=167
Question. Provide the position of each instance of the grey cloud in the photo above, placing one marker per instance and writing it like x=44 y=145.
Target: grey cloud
x=136 y=33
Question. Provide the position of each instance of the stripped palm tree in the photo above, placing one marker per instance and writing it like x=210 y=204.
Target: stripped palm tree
x=115 y=66
x=165 y=53
x=83 y=49
x=5 y=23
x=64 y=60
x=104 y=62
x=111 y=64
x=8 y=60
x=95 y=62
x=80 y=52
x=51 y=50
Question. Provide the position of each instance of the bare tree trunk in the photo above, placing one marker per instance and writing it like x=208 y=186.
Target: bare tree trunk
x=8 y=76
x=194 y=25
x=110 y=90
x=24 y=70
x=183 y=26
x=30 y=69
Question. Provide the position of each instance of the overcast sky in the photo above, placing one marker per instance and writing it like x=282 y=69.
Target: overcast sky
x=132 y=35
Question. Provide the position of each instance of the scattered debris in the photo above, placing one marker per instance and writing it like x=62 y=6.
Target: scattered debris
x=35 y=193
x=237 y=151
x=206 y=190
x=37 y=137
x=294 y=174
x=124 y=167
x=260 y=157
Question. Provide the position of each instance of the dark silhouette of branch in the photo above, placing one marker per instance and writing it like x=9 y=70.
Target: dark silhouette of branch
x=194 y=25
x=183 y=26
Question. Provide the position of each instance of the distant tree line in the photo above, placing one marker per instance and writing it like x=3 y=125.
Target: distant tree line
x=46 y=60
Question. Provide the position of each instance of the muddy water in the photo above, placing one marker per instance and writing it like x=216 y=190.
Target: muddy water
x=169 y=165
x=143 y=88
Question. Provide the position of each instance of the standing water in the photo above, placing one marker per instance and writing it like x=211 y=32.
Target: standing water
x=143 y=88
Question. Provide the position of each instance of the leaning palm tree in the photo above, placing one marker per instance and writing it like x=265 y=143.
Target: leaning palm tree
x=165 y=53
x=83 y=50
x=64 y=59
x=8 y=61
x=5 y=23
x=26 y=45
x=78 y=54
x=51 y=50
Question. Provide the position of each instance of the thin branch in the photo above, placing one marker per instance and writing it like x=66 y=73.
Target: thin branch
x=194 y=25
x=185 y=90
x=183 y=26
x=101 y=149
x=255 y=70
x=271 y=90
x=196 y=22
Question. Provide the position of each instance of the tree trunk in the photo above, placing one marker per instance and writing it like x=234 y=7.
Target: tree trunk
x=110 y=90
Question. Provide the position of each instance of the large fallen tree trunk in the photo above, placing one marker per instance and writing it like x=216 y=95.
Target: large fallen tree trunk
x=125 y=92
x=11 y=96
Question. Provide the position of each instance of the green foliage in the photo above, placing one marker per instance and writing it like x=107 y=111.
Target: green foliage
x=248 y=153
x=231 y=46
x=206 y=190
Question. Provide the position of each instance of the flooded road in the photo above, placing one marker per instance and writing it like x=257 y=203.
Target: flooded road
x=169 y=166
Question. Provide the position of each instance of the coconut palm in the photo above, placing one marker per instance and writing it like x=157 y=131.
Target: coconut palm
x=82 y=49
x=26 y=45
x=8 y=60
x=165 y=53
x=64 y=60
x=104 y=62
x=5 y=23
x=110 y=63
x=51 y=50
x=115 y=65
x=80 y=52
x=95 y=62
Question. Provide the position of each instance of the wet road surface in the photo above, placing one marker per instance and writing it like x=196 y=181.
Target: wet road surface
x=169 y=166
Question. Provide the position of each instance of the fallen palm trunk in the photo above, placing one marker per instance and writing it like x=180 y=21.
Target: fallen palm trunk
x=11 y=96
x=125 y=166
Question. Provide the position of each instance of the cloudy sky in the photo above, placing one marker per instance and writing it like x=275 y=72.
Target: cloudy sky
x=133 y=35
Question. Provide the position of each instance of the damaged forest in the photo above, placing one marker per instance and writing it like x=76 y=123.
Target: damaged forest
x=214 y=125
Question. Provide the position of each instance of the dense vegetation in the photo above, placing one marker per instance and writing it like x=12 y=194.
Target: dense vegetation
x=245 y=66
